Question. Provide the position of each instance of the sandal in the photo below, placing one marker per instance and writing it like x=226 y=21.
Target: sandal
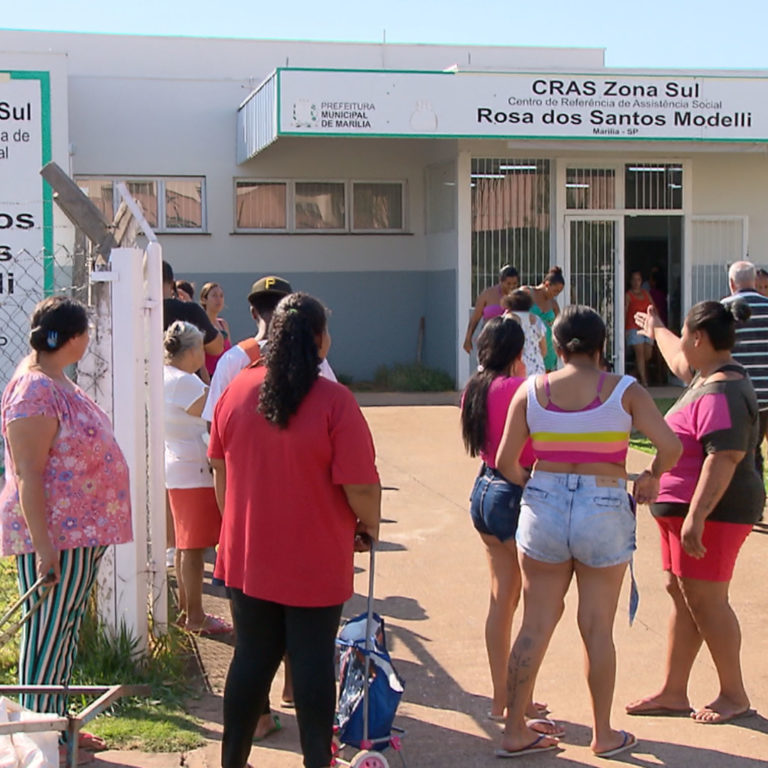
x=90 y=741
x=213 y=626
x=274 y=728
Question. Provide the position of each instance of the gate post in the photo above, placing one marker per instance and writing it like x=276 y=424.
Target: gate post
x=155 y=422
x=128 y=603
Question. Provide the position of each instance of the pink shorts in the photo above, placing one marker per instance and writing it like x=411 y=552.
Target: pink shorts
x=721 y=540
x=196 y=517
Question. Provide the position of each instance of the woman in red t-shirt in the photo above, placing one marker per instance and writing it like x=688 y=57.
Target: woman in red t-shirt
x=637 y=299
x=294 y=470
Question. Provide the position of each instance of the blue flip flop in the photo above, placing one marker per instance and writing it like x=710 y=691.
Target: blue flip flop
x=531 y=749
x=628 y=741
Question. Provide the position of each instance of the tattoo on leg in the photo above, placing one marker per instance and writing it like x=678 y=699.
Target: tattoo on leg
x=519 y=668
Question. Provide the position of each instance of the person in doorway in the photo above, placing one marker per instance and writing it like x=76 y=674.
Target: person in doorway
x=637 y=299
x=66 y=498
x=188 y=478
x=544 y=297
x=751 y=347
x=518 y=304
x=761 y=282
x=281 y=435
x=212 y=301
x=576 y=517
x=265 y=294
x=705 y=507
x=657 y=287
x=495 y=502
x=488 y=303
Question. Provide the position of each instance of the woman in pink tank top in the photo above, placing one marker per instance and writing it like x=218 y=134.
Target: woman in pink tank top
x=488 y=303
x=495 y=502
x=576 y=517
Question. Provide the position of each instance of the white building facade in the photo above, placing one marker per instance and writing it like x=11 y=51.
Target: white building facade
x=393 y=181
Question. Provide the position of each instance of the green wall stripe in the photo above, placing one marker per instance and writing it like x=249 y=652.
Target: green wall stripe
x=44 y=79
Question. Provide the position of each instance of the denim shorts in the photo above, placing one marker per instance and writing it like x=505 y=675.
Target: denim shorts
x=495 y=504
x=581 y=517
x=635 y=337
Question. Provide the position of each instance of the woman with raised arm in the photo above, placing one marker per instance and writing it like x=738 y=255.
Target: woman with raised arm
x=495 y=502
x=576 y=517
x=706 y=507
x=294 y=470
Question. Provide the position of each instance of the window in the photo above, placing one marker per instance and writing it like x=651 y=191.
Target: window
x=510 y=219
x=319 y=205
x=261 y=205
x=590 y=188
x=271 y=205
x=377 y=206
x=169 y=204
x=654 y=186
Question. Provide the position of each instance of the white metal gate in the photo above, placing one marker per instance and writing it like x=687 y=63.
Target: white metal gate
x=594 y=270
x=716 y=242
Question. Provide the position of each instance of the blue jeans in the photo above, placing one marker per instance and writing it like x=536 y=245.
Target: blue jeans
x=582 y=517
x=495 y=504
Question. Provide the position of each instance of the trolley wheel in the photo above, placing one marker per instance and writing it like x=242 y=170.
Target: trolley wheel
x=369 y=759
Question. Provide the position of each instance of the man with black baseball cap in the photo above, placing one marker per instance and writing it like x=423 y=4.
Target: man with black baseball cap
x=265 y=295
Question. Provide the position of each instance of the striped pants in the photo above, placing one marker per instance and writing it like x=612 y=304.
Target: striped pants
x=50 y=636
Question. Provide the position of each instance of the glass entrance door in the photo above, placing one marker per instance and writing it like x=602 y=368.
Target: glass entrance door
x=594 y=268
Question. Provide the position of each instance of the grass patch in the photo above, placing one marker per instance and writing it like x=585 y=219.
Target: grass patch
x=156 y=724
x=412 y=377
x=641 y=442
x=402 y=377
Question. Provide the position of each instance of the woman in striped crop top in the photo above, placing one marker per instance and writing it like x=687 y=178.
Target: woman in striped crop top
x=575 y=514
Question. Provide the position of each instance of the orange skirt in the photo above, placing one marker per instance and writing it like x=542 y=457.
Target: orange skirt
x=196 y=517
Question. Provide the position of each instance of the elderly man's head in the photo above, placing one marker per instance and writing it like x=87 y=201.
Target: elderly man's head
x=741 y=276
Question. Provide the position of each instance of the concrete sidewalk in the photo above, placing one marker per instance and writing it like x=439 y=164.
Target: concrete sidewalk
x=432 y=588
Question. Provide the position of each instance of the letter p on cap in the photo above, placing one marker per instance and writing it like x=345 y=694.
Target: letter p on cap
x=269 y=282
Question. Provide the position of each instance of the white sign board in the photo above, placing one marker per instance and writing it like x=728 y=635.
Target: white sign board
x=25 y=209
x=548 y=106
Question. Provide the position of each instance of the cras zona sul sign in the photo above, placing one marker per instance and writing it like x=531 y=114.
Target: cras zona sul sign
x=465 y=104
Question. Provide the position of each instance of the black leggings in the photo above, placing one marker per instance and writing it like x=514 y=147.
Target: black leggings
x=264 y=632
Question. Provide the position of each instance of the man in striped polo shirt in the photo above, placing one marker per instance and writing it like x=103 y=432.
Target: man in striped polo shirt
x=751 y=348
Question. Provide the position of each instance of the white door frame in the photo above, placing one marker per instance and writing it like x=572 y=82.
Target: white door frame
x=618 y=352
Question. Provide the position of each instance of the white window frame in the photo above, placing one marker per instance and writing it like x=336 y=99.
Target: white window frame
x=402 y=228
x=288 y=206
x=159 y=181
x=290 y=203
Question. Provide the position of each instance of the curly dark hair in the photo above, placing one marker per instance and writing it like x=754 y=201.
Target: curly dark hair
x=500 y=343
x=291 y=357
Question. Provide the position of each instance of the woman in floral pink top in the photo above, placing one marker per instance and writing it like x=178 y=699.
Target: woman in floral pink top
x=66 y=495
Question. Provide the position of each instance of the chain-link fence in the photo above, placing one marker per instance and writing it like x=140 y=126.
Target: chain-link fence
x=27 y=278
x=73 y=271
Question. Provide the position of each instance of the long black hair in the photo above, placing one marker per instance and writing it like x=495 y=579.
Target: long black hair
x=500 y=343
x=291 y=357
